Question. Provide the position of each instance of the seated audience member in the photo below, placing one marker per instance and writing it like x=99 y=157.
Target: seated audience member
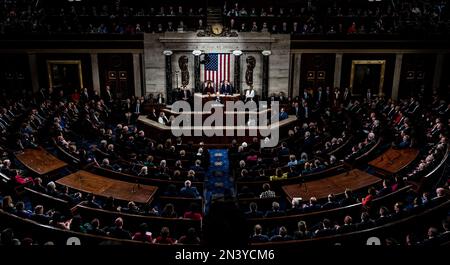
x=117 y=230
x=371 y=194
x=105 y=164
x=90 y=202
x=131 y=208
x=302 y=231
x=39 y=215
x=331 y=203
x=385 y=190
x=347 y=227
x=384 y=216
x=267 y=193
x=257 y=236
x=169 y=211
x=190 y=238
x=193 y=213
x=109 y=204
x=164 y=237
x=76 y=224
x=432 y=237
x=326 y=229
x=51 y=189
x=163 y=119
x=297 y=206
x=275 y=211
x=21 y=211
x=313 y=205
x=93 y=228
x=253 y=211
x=8 y=204
x=37 y=186
x=399 y=211
x=282 y=235
x=292 y=161
x=188 y=191
x=283 y=114
x=405 y=143
x=366 y=222
x=143 y=235
x=398 y=183
x=279 y=175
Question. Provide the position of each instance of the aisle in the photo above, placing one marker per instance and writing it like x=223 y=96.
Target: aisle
x=218 y=180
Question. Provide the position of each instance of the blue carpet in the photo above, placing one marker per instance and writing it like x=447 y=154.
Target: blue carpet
x=218 y=181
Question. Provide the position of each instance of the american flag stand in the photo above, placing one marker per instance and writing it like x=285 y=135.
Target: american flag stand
x=217 y=69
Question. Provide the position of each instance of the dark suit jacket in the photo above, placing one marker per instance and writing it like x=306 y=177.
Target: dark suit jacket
x=274 y=214
x=257 y=214
x=226 y=89
x=182 y=96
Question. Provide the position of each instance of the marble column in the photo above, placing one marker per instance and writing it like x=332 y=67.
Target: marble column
x=197 y=85
x=95 y=73
x=265 y=76
x=397 y=74
x=168 y=55
x=137 y=74
x=237 y=71
x=296 y=64
x=337 y=70
x=438 y=72
x=32 y=60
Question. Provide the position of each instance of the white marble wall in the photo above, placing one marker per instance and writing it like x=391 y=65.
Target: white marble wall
x=279 y=65
x=248 y=43
x=154 y=64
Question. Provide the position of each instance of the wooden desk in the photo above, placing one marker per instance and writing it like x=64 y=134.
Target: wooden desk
x=212 y=97
x=40 y=161
x=394 y=160
x=102 y=186
x=354 y=180
x=197 y=133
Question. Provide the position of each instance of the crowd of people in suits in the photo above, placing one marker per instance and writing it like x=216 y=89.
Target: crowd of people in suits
x=61 y=117
x=337 y=17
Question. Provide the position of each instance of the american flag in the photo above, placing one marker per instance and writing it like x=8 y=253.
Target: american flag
x=217 y=68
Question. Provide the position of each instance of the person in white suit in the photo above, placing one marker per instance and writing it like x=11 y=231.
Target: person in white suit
x=249 y=94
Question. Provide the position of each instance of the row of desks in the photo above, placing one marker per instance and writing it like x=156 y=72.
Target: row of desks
x=42 y=162
x=390 y=162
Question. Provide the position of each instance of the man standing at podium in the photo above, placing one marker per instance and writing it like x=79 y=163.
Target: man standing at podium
x=226 y=88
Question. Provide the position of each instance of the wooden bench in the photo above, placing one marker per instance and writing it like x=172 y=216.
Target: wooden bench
x=177 y=226
x=47 y=200
x=335 y=214
x=161 y=183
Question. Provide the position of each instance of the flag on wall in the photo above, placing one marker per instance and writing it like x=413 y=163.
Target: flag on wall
x=217 y=68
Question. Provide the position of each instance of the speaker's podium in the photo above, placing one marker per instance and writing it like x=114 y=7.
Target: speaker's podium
x=223 y=98
x=208 y=133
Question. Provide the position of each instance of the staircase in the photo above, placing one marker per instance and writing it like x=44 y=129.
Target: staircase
x=214 y=15
x=218 y=182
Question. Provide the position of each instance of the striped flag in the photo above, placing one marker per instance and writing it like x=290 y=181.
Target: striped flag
x=217 y=68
